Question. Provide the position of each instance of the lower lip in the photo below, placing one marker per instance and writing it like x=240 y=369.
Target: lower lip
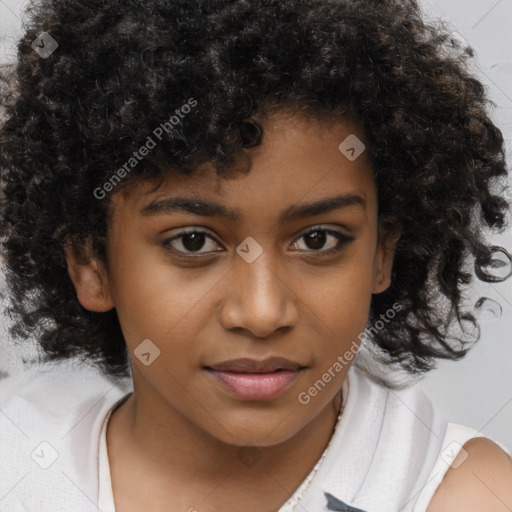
x=255 y=386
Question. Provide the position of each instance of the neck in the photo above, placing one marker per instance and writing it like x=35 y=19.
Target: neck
x=164 y=445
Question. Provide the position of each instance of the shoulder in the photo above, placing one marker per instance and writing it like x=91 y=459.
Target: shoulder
x=41 y=401
x=480 y=478
x=50 y=423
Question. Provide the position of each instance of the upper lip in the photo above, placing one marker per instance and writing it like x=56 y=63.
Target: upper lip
x=245 y=364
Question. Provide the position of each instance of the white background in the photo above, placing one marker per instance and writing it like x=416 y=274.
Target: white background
x=476 y=391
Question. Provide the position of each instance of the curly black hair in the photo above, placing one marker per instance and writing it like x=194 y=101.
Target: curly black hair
x=73 y=116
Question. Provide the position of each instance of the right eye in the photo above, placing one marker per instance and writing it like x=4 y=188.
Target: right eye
x=191 y=240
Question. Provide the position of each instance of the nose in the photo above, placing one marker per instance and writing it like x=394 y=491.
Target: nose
x=258 y=298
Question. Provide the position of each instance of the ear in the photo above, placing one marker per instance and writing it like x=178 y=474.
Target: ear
x=389 y=234
x=89 y=278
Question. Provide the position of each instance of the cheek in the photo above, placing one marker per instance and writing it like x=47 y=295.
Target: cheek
x=155 y=299
x=342 y=295
x=343 y=317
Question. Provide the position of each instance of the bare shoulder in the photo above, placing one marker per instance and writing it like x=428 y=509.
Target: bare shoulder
x=480 y=479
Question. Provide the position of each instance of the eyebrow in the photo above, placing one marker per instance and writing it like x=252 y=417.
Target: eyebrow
x=208 y=208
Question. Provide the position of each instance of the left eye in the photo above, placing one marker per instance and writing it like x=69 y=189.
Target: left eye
x=194 y=240
x=317 y=237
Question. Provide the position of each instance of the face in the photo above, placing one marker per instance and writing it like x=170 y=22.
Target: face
x=194 y=288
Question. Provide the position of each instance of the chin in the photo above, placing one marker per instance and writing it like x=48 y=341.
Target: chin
x=266 y=431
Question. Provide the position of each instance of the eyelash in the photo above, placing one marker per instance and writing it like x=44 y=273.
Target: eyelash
x=343 y=241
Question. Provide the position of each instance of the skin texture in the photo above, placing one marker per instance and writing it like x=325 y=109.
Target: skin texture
x=482 y=481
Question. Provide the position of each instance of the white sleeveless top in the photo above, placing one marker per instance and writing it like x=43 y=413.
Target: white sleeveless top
x=389 y=451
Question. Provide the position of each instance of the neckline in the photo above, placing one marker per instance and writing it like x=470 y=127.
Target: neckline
x=105 y=493
x=300 y=492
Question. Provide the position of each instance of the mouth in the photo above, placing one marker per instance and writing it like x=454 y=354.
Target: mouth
x=249 y=379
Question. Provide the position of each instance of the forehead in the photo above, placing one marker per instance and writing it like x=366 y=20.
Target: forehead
x=299 y=160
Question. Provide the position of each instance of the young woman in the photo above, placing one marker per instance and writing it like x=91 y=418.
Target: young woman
x=211 y=205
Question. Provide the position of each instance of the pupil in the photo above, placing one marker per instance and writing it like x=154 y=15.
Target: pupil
x=197 y=240
x=318 y=238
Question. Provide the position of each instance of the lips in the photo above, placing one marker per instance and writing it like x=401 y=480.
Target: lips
x=246 y=365
x=249 y=379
